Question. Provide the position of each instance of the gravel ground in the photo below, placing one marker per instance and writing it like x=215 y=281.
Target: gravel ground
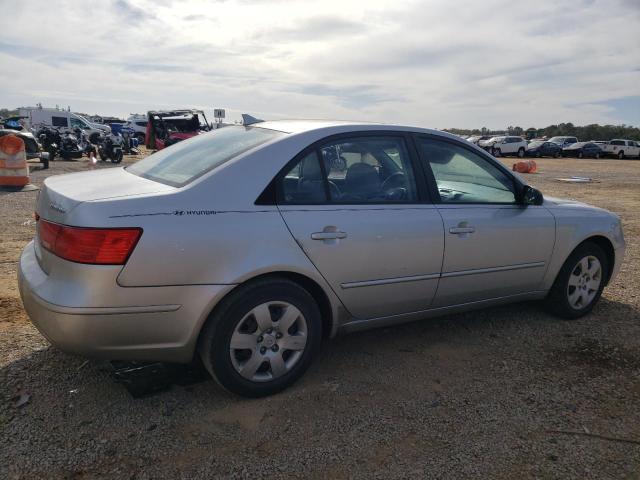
x=507 y=392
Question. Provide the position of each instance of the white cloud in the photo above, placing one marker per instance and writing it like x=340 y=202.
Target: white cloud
x=428 y=63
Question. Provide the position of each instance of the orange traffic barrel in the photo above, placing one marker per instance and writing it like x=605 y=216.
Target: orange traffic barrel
x=526 y=166
x=14 y=171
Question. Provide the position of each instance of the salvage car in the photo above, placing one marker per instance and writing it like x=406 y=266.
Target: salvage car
x=505 y=145
x=168 y=127
x=248 y=245
x=582 y=150
x=543 y=149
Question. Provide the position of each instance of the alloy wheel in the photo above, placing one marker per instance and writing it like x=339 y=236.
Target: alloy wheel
x=584 y=282
x=268 y=341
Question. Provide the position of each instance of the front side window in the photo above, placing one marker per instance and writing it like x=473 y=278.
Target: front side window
x=185 y=161
x=76 y=123
x=463 y=176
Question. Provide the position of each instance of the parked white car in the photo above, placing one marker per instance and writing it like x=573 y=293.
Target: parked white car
x=621 y=148
x=505 y=145
x=138 y=123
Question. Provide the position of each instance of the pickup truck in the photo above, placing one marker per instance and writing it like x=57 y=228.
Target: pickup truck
x=621 y=148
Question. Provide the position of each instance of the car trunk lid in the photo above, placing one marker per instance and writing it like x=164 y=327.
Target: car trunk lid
x=60 y=195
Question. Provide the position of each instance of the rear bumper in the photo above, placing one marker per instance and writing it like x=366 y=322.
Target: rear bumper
x=135 y=327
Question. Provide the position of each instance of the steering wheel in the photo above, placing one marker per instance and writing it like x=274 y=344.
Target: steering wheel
x=395 y=180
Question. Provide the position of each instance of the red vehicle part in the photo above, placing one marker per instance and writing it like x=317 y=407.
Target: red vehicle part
x=165 y=128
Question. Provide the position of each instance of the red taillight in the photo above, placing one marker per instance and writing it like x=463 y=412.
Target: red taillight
x=99 y=246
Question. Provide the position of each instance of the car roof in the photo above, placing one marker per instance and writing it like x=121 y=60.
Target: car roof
x=338 y=126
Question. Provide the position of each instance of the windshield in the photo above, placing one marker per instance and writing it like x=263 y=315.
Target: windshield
x=535 y=144
x=577 y=145
x=558 y=139
x=185 y=161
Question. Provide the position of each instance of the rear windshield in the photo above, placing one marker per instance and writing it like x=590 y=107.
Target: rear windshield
x=185 y=161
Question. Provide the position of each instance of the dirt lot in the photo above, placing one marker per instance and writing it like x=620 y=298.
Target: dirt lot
x=503 y=393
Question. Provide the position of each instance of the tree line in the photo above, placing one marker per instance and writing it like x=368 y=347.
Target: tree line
x=586 y=132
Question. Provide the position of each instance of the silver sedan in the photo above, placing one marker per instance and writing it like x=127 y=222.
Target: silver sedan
x=250 y=244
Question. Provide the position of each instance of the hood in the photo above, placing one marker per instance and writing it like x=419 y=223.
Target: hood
x=554 y=203
x=61 y=193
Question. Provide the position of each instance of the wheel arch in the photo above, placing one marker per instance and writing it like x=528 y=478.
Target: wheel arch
x=327 y=314
x=607 y=247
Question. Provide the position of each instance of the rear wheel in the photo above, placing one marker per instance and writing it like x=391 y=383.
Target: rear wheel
x=579 y=283
x=620 y=155
x=520 y=152
x=262 y=338
x=557 y=155
x=496 y=152
x=597 y=156
x=580 y=155
x=140 y=137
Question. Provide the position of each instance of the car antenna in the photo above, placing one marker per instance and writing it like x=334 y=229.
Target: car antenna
x=250 y=120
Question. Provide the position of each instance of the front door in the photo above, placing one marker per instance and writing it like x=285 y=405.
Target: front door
x=494 y=247
x=358 y=217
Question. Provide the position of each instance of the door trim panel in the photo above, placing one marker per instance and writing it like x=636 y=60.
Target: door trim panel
x=506 y=268
x=387 y=281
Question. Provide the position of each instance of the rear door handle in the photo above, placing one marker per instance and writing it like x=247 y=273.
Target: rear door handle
x=328 y=235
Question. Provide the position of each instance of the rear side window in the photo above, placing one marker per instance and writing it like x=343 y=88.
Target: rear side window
x=616 y=142
x=59 y=121
x=358 y=170
x=185 y=161
x=141 y=124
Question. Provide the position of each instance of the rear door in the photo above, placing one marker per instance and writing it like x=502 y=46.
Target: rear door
x=494 y=247
x=353 y=206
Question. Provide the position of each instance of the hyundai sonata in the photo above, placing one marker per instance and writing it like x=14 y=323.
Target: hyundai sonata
x=250 y=244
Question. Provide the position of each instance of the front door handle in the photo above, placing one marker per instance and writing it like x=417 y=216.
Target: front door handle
x=328 y=235
x=459 y=230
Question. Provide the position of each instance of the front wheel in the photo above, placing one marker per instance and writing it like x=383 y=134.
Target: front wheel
x=557 y=155
x=597 y=156
x=496 y=152
x=262 y=338
x=620 y=155
x=580 y=282
x=580 y=155
x=521 y=152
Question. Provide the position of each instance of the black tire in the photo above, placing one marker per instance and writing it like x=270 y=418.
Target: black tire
x=214 y=341
x=580 y=154
x=496 y=152
x=620 y=155
x=140 y=136
x=558 y=155
x=521 y=152
x=94 y=138
x=597 y=156
x=557 y=301
x=538 y=154
x=117 y=156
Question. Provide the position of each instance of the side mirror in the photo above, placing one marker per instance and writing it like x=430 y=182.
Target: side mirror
x=531 y=196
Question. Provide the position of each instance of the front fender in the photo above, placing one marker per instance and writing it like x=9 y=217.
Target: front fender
x=576 y=224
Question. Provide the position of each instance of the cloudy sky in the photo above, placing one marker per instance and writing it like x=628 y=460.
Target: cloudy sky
x=435 y=63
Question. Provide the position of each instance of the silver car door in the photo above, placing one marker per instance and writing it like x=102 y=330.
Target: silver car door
x=494 y=247
x=364 y=228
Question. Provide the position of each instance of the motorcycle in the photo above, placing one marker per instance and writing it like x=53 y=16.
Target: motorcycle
x=49 y=140
x=85 y=146
x=111 y=148
x=129 y=141
x=69 y=147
